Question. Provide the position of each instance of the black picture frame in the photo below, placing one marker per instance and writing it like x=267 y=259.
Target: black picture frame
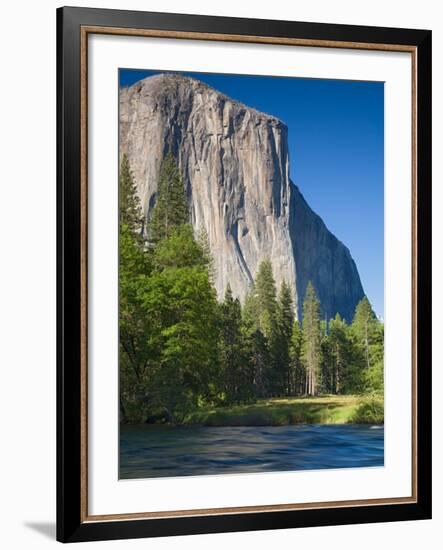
x=71 y=524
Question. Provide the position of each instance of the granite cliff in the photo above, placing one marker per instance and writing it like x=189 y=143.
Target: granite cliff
x=235 y=166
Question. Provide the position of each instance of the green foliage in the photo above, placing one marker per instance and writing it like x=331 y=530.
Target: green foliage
x=250 y=312
x=180 y=249
x=134 y=327
x=368 y=335
x=256 y=348
x=297 y=372
x=168 y=312
x=282 y=341
x=182 y=304
x=311 y=348
x=362 y=326
x=266 y=299
x=203 y=242
x=328 y=409
x=130 y=213
x=171 y=207
x=370 y=411
x=237 y=372
x=180 y=299
x=339 y=350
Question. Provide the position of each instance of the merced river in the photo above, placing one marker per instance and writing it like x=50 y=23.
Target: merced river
x=160 y=451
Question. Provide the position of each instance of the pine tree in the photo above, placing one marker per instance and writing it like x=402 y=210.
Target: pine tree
x=368 y=334
x=203 y=241
x=250 y=311
x=285 y=308
x=285 y=319
x=266 y=297
x=181 y=302
x=296 y=368
x=134 y=327
x=235 y=373
x=327 y=365
x=171 y=208
x=130 y=212
x=256 y=349
x=373 y=378
x=339 y=350
x=311 y=351
x=362 y=325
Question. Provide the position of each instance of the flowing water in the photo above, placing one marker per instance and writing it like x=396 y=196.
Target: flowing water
x=158 y=451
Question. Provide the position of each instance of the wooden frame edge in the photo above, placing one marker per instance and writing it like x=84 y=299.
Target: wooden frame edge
x=251 y=39
x=84 y=275
x=414 y=267
x=205 y=512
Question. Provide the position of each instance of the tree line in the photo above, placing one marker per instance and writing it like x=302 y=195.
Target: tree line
x=181 y=348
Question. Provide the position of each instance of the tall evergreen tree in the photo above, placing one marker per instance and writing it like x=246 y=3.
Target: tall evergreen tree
x=266 y=298
x=296 y=368
x=181 y=302
x=250 y=310
x=373 y=378
x=311 y=351
x=363 y=324
x=285 y=308
x=339 y=353
x=266 y=307
x=368 y=334
x=285 y=319
x=134 y=327
x=326 y=365
x=256 y=349
x=236 y=375
x=171 y=207
x=203 y=241
x=130 y=212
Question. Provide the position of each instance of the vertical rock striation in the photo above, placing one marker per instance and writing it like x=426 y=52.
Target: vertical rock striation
x=235 y=166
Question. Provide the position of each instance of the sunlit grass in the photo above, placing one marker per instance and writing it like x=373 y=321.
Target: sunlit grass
x=329 y=409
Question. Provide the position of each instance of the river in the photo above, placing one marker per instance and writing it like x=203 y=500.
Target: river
x=158 y=451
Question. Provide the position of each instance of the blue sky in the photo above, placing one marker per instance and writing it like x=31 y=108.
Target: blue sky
x=336 y=147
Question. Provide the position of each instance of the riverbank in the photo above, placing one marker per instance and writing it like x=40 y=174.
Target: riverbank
x=331 y=409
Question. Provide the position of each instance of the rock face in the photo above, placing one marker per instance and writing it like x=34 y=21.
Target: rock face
x=235 y=166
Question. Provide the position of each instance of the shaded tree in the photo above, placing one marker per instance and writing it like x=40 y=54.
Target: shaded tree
x=256 y=347
x=236 y=373
x=362 y=326
x=181 y=302
x=203 y=241
x=171 y=207
x=130 y=212
x=339 y=353
x=265 y=294
x=297 y=374
x=368 y=335
x=284 y=322
x=311 y=350
x=134 y=327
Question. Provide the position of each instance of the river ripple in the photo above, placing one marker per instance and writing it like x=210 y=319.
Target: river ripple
x=151 y=451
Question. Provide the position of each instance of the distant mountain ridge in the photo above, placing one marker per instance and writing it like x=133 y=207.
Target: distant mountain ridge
x=235 y=166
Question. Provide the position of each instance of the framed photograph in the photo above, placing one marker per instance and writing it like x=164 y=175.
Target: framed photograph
x=244 y=274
